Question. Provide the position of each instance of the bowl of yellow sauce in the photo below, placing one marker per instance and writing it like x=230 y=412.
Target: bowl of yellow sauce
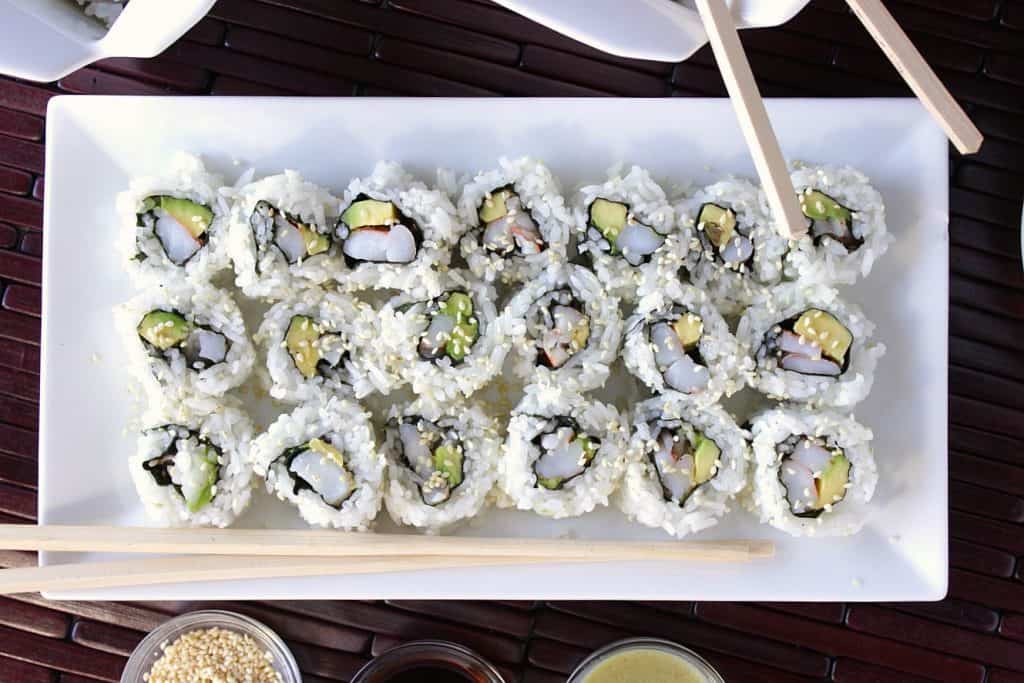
x=650 y=660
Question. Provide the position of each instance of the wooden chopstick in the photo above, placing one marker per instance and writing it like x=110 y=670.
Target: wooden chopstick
x=753 y=118
x=327 y=543
x=919 y=76
x=167 y=570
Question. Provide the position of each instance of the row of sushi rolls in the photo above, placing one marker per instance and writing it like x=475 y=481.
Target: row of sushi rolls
x=428 y=301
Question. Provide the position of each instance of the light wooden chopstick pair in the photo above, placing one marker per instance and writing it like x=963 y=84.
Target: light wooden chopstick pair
x=221 y=554
x=757 y=128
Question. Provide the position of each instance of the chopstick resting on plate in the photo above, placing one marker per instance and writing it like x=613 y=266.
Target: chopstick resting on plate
x=753 y=118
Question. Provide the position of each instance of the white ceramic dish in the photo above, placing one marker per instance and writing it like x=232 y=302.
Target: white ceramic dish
x=900 y=555
x=44 y=40
x=661 y=30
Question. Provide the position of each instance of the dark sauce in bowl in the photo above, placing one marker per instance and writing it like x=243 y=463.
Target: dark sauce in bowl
x=428 y=661
x=431 y=674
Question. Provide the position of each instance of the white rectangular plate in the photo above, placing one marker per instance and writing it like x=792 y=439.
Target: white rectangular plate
x=95 y=144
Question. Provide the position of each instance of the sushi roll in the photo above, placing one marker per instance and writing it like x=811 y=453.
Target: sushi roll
x=810 y=346
x=814 y=471
x=689 y=461
x=451 y=345
x=846 y=225
x=624 y=225
x=571 y=329
x=282 y=236
x=678 y=341
x=441 y=465
x=394 y=231
x=564 y=454
x=322 y=458
x=194 y=471
x=735 y=251
x=321 y=343
x=519 y=218
x=185 y=343
x=174 y=225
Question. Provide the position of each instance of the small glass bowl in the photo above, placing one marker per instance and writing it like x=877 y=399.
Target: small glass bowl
x=667 y=646
x=149 y=650
x=421 y=653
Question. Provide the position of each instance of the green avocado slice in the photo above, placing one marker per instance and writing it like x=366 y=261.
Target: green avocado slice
x=818 y=206
x=825 y=330
x=448 y=460
x=832 y=484
x=196 y=499
x=194 y=217
x=164 y=329
x=705 y=458
x=369 y=212
x=460 y=307
x=689 y=327
x=718 y=222
x=493 y=207
x=300 y=341
x=609 y=217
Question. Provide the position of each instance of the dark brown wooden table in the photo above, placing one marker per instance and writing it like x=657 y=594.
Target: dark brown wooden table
x=472 y=47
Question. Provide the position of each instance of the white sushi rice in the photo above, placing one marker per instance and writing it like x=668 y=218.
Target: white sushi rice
x=580 y=494
x=843 y=518
x=641 y=496
x=403 y=322
x=167 y=377
x=228 y=429
x=363 y=371
x=540 y=193
x=106 y=11
x=790 y=300
x=263 y=271
x=432 y=211
x=481 y=447
x=829 y=261
x=587 y=368
x=732 y=288
x=726 y=363
x=346 y=426
x=649 y=206
x=144 y=257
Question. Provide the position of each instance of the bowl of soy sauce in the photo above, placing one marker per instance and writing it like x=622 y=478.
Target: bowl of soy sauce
x=437 y=661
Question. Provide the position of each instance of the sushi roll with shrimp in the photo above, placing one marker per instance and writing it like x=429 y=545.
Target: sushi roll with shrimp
x=441 y=464
x=735 y=251
x=689 y=460
x=846 y=225
x=564 y=454
x=394 y=231
x=322 y=458
x=810 y=346
x=520 y=224
x=451 y=345
x=193 y=471
x=678 y=341
x=174 y=225
x=322 y=343
x=185 y=343
x=626 y=224
x=814 y=472
x=282 y=236
x=571 y=329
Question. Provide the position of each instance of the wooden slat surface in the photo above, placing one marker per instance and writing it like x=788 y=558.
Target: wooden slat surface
x=473 y=47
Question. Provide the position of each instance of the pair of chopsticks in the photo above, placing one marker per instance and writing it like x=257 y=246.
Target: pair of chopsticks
x=757 y=129
x=222 y=554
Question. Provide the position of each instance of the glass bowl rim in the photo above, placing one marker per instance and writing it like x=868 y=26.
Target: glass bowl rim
x=433 y=643
x=644 y=642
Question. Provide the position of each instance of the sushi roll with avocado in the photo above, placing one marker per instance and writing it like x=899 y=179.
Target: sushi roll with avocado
x=282 y=236
x=322 y=458
x=441 y=465
x=194 y=471
x=185 y=343
x=735 y=251
x=810 y=346
x=846 y=225
x=570 y=329
x=678 y=341
x=322 y=343
x=689 y=460
x=394 y=231
x=519 y=221
x=451 y=345
x=626 y=225
x=814 y=472
x=174 y=225
x=564 y=454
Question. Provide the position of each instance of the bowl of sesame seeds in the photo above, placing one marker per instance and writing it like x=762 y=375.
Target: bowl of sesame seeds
x=208 y=646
